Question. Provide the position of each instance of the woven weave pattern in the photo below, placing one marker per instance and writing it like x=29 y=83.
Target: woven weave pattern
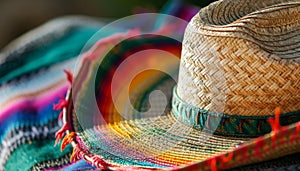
x=241 y=62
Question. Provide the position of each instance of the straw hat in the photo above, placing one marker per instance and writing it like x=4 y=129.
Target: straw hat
x=239 y=62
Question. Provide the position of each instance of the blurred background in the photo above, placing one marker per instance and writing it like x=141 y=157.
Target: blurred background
x=19 y=16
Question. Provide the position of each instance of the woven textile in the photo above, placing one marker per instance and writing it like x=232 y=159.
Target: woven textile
x=33 y=85
x=32 y=82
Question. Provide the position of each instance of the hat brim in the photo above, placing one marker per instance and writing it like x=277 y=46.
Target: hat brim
x=155 y=143
x=163 y=142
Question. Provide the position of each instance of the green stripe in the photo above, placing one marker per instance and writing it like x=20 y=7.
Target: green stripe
x=29 y=154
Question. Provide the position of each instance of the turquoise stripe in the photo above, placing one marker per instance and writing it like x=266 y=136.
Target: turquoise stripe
x=224 y=124
x=65 y=47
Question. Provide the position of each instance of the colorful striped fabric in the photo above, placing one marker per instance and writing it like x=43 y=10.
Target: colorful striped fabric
x=32 y=81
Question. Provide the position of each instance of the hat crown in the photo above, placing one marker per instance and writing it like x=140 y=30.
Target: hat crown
x=242 y=58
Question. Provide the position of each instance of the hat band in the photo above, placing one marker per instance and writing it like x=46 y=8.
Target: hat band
x=224 y=124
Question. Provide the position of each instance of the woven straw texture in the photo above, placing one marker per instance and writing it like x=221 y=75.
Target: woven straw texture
x=162 y=142
x=242 y=58
x=236 y=59
x=155 y=142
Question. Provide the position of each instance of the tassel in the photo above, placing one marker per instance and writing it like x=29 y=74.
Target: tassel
x=77 y=154
x=99 y=163
x=60 y=105
x=59 y=134
x=69 y=76
x=275 y=124
x=67 y=140
x=60 y=116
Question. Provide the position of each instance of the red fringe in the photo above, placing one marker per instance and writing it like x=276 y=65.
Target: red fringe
x=69 y=76
x=99 y=163
x=60 y=116
x=274 y=122
x=59 y=134
x=77 y=154
x=62 y=103
x=67 y=140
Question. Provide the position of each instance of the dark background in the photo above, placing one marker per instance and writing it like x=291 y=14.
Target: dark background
x=20 y=16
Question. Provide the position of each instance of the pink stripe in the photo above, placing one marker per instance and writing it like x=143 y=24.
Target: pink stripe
x=36 y=103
